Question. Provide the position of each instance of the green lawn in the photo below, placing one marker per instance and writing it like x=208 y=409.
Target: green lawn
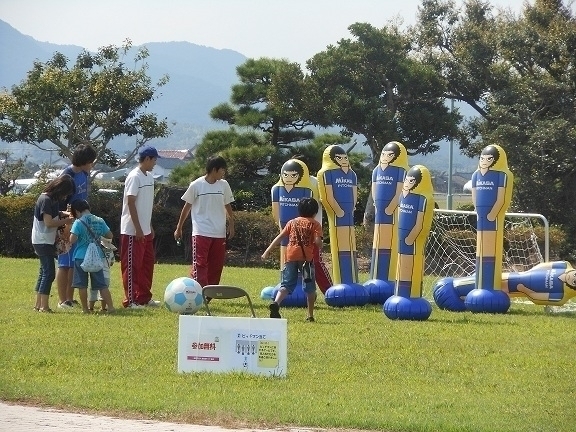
x=353 y=368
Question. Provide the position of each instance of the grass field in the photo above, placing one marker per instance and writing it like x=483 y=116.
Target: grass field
x=353 y=368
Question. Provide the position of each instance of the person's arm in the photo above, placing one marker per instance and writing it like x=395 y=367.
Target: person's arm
x=318 y=236
x=498 y=205
x=274 y=243
x=276 y=212
x=231 y=229
x=73 y=238
x=51 y=222
x=415 y=231
x=131 y=201
x=534 y=295
x=393 y=204
x=332 y=203
x=183 y=215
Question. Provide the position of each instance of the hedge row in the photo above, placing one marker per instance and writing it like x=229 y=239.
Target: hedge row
x=254 y=230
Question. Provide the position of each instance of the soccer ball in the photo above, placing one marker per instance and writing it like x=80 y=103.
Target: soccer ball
x=183 y=296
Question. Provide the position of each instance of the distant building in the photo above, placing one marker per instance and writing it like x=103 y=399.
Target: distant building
x=170 y=159
x=185 y=155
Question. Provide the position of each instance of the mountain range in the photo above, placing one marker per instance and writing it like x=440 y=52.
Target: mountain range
x=200 y=78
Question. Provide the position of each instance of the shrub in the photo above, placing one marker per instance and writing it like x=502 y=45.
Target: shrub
x=16 y=214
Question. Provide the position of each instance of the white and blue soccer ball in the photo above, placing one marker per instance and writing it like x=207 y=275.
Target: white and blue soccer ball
x=183 y=296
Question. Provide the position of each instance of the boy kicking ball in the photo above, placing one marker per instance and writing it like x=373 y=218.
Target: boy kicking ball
x=302 y=232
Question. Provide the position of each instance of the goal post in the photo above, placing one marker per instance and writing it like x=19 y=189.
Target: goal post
x=451 y=245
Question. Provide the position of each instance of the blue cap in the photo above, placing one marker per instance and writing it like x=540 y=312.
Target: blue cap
x=150 y=152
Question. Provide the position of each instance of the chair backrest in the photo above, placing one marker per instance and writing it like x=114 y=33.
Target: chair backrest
x=211 y=292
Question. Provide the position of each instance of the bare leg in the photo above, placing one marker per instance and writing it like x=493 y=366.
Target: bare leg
x=280 y=295
x=107 y=299
x=62 y=283
x=310 y=300
x=83 y=294
x=44 y=301
x=69 y=288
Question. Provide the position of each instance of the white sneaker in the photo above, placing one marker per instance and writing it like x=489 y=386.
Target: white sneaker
x=64 y=305
x=153 y=303
x=135 y=306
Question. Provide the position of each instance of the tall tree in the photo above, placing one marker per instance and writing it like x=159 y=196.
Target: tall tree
x=246 y=153
x=374 y=86
x=525 y=88
x=95 y=100
x=269 y=99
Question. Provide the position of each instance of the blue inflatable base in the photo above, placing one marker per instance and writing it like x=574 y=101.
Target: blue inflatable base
x=379 y=290
x=343 y=295
x=487 y=301
x=447 y=297
x=402 y=308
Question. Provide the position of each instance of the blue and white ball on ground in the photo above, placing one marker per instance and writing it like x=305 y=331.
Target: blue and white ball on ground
x=266 y=293
x=183 y=296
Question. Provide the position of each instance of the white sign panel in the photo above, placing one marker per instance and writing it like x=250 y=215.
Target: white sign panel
x=225 y=344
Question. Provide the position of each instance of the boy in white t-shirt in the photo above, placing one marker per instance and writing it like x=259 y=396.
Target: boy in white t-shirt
x=137 y=234
x=208 y=199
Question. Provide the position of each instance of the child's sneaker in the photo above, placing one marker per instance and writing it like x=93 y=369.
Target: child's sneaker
x=310 y=319
x=274 y=310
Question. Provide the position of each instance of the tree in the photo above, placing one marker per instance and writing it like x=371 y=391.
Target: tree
x=525 y=91
x=9 y=171
x=95 y=100
x=246 y=153
x=375 y=86
x=268 y=98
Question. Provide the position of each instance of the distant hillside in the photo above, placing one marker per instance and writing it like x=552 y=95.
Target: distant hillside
x=200 y=78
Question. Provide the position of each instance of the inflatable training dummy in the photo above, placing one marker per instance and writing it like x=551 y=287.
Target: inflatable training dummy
x=415 y=213
x=491 y=194
x=387 y=183
x=550 y=283
x=337 y=185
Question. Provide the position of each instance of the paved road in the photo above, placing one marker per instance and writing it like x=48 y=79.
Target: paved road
x=16 y=418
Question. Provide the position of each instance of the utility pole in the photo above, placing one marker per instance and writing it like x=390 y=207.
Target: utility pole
x=450 y=163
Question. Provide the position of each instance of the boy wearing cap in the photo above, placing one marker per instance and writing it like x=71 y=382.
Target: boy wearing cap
x=137 y=234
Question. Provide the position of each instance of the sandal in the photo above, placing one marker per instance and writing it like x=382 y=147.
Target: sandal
x=45 y=310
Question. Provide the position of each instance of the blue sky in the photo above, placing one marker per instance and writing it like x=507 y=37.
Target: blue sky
x=291 y=29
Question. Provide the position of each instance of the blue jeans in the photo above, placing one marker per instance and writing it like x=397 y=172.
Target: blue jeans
x=290 y=277
x=47 y=272
x=80 y=278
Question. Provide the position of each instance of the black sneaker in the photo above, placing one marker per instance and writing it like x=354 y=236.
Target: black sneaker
x=310 y=319
x=274 y=310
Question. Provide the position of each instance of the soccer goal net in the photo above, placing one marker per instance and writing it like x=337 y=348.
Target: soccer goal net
x=451 y=245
